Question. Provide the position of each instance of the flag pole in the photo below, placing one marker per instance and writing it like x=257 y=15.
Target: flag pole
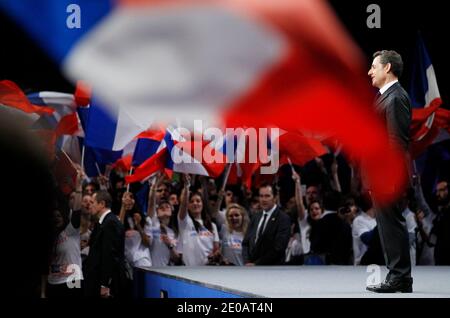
x=225 y=176
x=129 y=173
x=290 y=163
x=82 y=158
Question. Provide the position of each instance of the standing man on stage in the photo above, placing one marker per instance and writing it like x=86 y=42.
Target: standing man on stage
x=394 y=105
x=105 y=273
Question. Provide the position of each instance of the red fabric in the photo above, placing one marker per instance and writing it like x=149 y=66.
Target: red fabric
x=418 y=147
x=420 y=116
x=11 y=95
x=123 y=164
x=68 y=125
x=82 y=94
x=321 y=86
x=148 y=167
x=299 y=149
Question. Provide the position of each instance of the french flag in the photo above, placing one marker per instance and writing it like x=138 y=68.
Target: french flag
x=176 y=153
x=244 y=63
x=424 y=92
x=430 y=122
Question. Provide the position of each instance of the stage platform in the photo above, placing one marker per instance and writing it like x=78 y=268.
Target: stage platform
x=281 y=281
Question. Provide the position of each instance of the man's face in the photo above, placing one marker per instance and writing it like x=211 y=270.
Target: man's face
x=312 y=193
x=378 y=73
x=162 y=192
x=266 y=198
x=442 y=193
x=96 y=207
x=86 y=202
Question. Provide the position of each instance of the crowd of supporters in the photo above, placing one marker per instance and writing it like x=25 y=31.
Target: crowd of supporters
x=191 y=220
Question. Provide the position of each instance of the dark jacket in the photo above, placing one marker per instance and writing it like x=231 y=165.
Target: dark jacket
x=271 y=246
x=395 y=107
x=332 y=237
x=105 y=265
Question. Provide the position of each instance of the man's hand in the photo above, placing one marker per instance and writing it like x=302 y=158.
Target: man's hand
x=104 y=292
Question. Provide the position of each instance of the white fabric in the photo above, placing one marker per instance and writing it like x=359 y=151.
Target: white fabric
x=159 y=250
x=386 y=86
x=85 y=237
x=411 y=226
x=232 y=246
x=66 y=262
x=196 y=246
x=361 y=224
x=187 y=62
x=305 y=230
x=136 y=253
x=294 y=247
x=103 y=216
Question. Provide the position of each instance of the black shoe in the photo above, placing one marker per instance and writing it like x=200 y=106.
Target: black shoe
x=393 y=286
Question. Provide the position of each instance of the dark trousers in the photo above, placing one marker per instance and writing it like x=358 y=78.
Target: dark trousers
x=63 y=291
x=394 y=241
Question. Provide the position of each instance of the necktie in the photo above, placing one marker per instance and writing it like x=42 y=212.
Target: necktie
x=261 y=228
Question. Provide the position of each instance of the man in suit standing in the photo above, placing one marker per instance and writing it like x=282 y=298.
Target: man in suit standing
x=105 y=266
x=394 y=106
x=268 y=234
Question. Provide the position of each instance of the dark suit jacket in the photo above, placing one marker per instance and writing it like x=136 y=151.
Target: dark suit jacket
x=395 y=107
x=105 y=265
x=332 y=237
x=271 y=246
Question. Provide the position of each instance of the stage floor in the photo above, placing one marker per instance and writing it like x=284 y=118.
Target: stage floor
x=305 y=281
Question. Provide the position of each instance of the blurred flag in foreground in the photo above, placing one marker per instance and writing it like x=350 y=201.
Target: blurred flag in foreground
x=244 y=63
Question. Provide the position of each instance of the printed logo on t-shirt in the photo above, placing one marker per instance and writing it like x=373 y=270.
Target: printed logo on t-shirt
x=60 y=270
x=233 y=243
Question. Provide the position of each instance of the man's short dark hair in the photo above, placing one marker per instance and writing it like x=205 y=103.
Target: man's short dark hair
x=103 y=195
x=393 y=58
x=274 y=188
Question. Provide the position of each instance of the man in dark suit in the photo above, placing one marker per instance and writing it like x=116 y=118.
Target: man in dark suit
x=394 y=106
x=268 y=233
x=104 y=270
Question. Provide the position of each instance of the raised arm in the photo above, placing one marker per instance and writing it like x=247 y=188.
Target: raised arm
x=184 y=198
x=151 y=209
x=335 y=176
x=122 y=208
x=298 y=195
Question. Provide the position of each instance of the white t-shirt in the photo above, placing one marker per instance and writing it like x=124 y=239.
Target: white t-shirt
x=232 y=246
x=196 y=246
x=159 y=250
x=305 y=230
x=136 y=253
x=66 y=261
x=85 y=236
x=361 y=224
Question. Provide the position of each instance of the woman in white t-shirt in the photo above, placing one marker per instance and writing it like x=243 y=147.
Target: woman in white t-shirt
x=65 y=274
x=138 y=234
x=232 y=234
x=198 y=234
x=165 y=248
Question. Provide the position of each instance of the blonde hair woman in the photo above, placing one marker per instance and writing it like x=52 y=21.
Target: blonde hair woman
x=233 y=234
